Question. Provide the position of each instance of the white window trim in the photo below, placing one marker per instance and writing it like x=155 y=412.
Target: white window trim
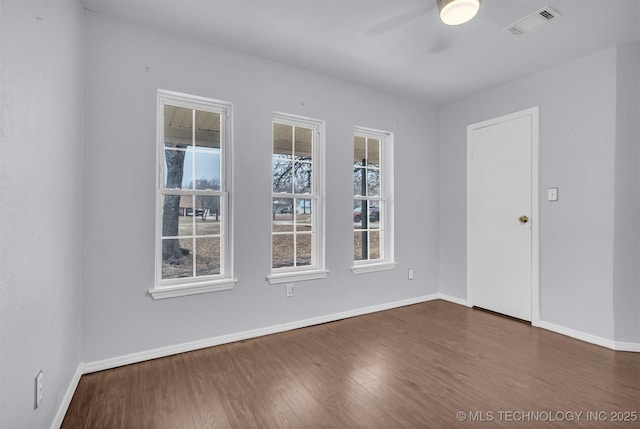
x=371 y=267
x=178 y=287
x=296 y=276
x=386 y=166
x=317 y=270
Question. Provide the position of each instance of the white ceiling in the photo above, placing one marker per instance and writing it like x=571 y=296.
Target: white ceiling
x=399 y=46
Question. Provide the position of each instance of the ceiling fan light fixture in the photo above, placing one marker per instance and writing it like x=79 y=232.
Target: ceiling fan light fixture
x=456 y=12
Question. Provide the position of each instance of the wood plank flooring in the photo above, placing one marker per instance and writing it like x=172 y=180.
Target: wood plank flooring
x=430 y=365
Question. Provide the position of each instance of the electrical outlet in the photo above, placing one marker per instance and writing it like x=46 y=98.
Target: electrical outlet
x=410 y=274
x=39 y=391
x=289 y=289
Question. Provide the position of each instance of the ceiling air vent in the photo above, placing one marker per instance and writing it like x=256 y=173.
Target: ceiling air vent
x=531 y=22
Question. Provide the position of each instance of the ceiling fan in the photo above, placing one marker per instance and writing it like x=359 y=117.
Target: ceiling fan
x=452 y=12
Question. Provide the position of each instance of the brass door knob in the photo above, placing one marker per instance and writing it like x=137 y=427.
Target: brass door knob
x=523 y=219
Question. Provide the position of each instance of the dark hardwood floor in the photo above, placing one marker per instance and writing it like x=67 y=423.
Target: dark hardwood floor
x=431 y=365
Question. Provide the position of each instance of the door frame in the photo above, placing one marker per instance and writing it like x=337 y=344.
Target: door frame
x=534 y=113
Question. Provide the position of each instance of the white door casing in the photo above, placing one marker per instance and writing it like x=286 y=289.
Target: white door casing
x=502 y=186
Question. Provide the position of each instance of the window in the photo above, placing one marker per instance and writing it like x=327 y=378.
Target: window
x=297 y=221
x=372 y=201
x=193 y=203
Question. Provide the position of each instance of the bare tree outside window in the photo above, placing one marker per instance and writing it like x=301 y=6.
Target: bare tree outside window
x=293 y=201
x=171 y=251
x=369 y=198
x=191 y=234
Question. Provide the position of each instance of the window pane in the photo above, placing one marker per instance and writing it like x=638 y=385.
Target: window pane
x=185 y=222
x=178 y=126
x=373 y=183
x=303 y=215
x=373 y=153
x=207 y=256
x=304 y=143
x=374 y=215
x=177 y=258
x=360 y=247
x=177 y=169
x=282 y=250
x=207 y=130
x=282 y=215
x=207 y=218
x=302 y=178
x=374 y=245
x=283 y=139
x=282 y=174
x=359 y=151
x=207 y=172
x=359 y=181
x=359 y=221
x=303 y=249
x=173 y=208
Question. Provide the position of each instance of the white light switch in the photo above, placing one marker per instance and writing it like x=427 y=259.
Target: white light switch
x=552 y=194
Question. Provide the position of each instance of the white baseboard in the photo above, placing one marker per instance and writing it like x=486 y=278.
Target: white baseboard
x=454 y=299
x=613 y=345
x=68 y=396
x=238 y=336
x=610 y=344
x=627 y=347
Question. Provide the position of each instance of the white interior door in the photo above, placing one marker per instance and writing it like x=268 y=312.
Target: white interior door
x=501 y=214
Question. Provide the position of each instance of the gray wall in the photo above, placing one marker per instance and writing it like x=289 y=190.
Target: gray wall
x=125 y=66
x=578 y=147
x=40 y=187
x=627 y=204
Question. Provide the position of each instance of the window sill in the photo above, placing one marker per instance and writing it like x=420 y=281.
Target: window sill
x=191 y=288
x=296 y=276
x=370 y=268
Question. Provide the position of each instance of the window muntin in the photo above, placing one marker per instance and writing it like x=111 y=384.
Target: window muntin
x=372 y=187
x=193 y=222
x=296 y=221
